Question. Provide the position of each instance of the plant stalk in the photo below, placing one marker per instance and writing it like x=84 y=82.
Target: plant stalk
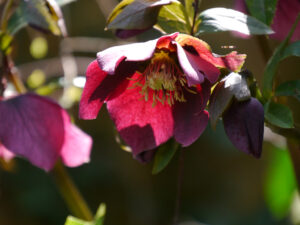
x=70 y=193
x=179 y=187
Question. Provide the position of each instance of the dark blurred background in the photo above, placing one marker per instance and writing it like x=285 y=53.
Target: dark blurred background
x=222 y=186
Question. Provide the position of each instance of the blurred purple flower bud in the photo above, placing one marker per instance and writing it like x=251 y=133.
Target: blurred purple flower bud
x=244 y=126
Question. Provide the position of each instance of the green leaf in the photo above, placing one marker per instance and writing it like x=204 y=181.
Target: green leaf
x=280 y=53
x=64 y=2
x=99 y=217
x=139 y=14
x=291 y=50
x=280 y=183
x=164 y=155
x=262 y=10
x=172 y=18
x=223 y=19
x=75 y=221
x=34 y=13
x=289 y=88
x=279 y=115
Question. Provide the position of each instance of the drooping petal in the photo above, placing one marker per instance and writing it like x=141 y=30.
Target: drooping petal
x=5 y=153
x=77 y=145
x=244 y=126
x=141 y=125
x=110 y=58
x=99 y=87
x=193 y=75
x=32 y=127
x=209 y=71
x=190 y=118
x=195 y=46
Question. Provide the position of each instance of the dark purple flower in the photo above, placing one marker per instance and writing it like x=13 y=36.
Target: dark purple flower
x=39 y=130
x=244 y=125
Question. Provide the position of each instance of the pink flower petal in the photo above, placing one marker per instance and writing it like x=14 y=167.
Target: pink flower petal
x=99 y=87
x=32 y=127
x=207 y=69
x=38 y=129
x=190 y=119
x=77 y=145
x=142 y=126
x=110 y=58
x=5 y=154
x=193 y=75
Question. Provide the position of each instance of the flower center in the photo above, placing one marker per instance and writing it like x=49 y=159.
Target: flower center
x=163 y=80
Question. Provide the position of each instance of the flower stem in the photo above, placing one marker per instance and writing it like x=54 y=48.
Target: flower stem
x=70 y=193
x=294 y=149
x=179 y=187
x=5 y=14
x=196 y=7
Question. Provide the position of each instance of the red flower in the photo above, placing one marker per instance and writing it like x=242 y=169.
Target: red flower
x=285 y=15
x=38 y=129
x=155 y=90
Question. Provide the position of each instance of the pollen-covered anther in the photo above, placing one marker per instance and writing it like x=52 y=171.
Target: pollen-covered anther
x=163 y=80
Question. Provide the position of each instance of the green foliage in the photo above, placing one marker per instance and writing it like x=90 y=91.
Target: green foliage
x=290 y=88
x=34 y=13
x=64 y=2
x=138 y=14
x=173 y=18
x=280 y=183
x=164 y=155
x=262 y=10
x=5 y=42
x=98 y=219
x=223 y=19
x=279 y=115
x=282 y=51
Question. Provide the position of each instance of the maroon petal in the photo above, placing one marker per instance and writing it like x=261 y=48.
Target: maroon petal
x=189 y=67
x=99 y=87
x=123 y=34
x=244 y=126
x=110 y=58
x=141 y=125
x=189 y=117
x=32 y=127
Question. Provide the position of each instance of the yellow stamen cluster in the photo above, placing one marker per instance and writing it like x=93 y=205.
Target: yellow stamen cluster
x=162 y=79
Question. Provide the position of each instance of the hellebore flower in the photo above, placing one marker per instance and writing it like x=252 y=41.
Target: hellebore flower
x=155 y=90
x=244 y=125
x=285 y=15
x=39 y=130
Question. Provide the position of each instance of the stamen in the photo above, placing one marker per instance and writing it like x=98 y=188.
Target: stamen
x=164 y=79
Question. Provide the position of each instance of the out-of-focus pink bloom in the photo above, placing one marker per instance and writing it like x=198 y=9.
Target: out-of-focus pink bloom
x=5 y=154
x=39 y=130
x=285 y=15
x=155 y=90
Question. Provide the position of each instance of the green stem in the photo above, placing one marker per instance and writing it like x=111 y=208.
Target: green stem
x=196 y=7
x=294 y=149
x=179 y=187
x=5 y=14
x=70 y=193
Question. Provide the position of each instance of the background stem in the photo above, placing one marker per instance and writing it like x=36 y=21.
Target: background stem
x=179 y=186
x=70 y=193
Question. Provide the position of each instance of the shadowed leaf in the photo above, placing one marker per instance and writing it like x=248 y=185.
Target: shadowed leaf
x=279 y=115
